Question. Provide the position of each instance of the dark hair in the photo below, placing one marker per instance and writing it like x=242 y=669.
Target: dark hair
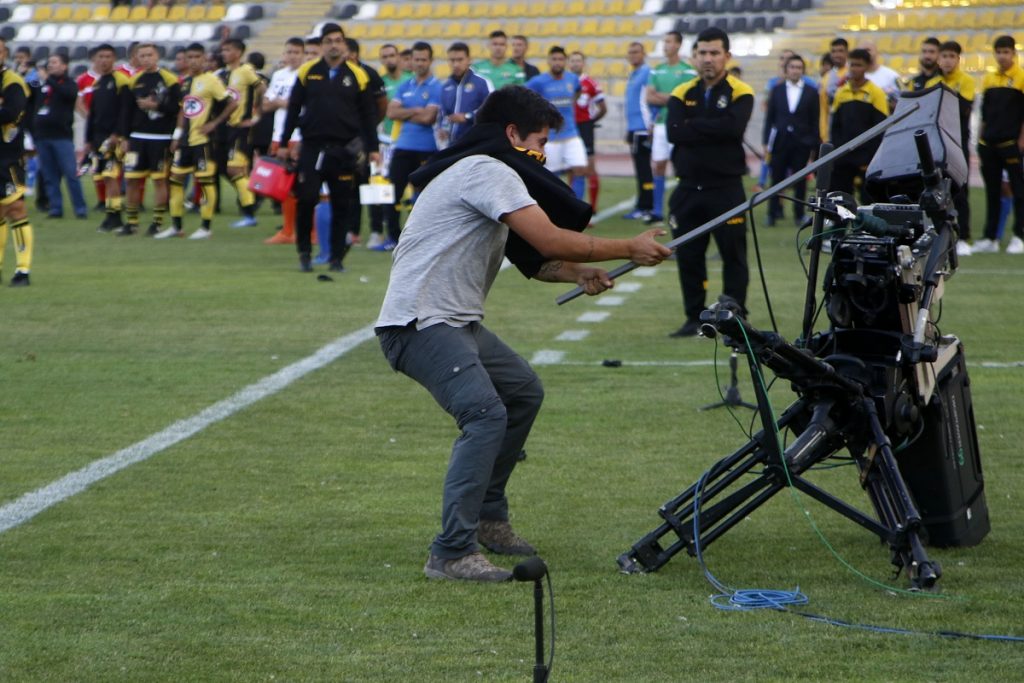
x=236 y=43
x=103 y=47
x=712 y=34
x=297 y=42
x=527 y=110
x=23 y=51
x=1003 y=42
x=951 y=46
x=257 y=60
x=862 y=55
x=313 y=40
x=675 y=34
x=391 y=45
x=329 y=28
x=497 y=34
x=459 y=47
x=932 y=40
x=840 y=41
x=520 y=36
x=196 y=47
x=826 y=59
x=353 y=45
x=796 y=58
x=557 y=50
x=407 y=52
x=420 y=46
x=62 y=56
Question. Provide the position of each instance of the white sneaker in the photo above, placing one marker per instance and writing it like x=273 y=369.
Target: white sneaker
x=376 y=239
x=1016 y=246
x=963 y=248
x=200 y=234
x=168 y=232
x=985 y=246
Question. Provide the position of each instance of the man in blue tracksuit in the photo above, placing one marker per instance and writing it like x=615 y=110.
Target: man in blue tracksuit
x=462 y=94
x=638 y=126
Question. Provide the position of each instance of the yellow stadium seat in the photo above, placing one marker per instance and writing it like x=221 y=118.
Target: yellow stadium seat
x=442 y=71
x=386 y=11
x=896 y=63
x=499 y=9
x=138 y=13
x=571 y=27
x=461 y=9
x=978 y=42
x=42 y=13
x=904 y=43
x=404 y=11
x=537 y=8
x=81 y=14
x=442 y=10
x=986 y=19
x=158 y=13
x=175 y=13
x=479 y=10
x=557 y=8
x=101 y=13
x=61 y=14
x=196 y=13
x=356 y=29
x=618 y=88
x=608 y=27
x=215 y=12
x=596 y=68
x=119 y=14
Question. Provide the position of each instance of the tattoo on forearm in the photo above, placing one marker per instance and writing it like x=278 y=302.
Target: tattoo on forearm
x=549 y=270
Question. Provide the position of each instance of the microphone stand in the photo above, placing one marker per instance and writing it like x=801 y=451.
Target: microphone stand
x=761 y=197
x=732 y=394
x=540 y=670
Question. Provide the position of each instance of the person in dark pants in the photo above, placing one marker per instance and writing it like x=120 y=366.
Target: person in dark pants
x=53 y=137
x=354 y=218
x=339 y=133
x=706 y=121
x=791 y=132
x=414 y=108
x=1000 y=141
x=639 y=123
x=430 y=324
x=859 y=105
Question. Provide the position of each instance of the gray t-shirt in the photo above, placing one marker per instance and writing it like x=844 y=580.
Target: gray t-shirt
x=452 y=245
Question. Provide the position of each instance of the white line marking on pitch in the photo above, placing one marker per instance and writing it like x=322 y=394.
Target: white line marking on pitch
x=628 y=287
x=547 y=357
x=645 y=271
x=573 y=335
x=593 y=317
x=610 y=300
x=31 y=504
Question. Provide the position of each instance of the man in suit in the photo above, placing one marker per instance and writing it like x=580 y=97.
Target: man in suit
x=791 y=132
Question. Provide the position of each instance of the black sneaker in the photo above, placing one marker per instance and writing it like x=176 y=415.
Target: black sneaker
x=305 y=263
x=126 y=230
x=336 y=267
x=691 y=328
x=20 y=279
x=153 y=230
x=473 y=567
x=107 y=225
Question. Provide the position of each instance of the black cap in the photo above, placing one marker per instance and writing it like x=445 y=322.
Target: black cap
x=330 y=27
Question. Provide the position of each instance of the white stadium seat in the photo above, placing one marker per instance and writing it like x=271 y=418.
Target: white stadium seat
x=21 y=14
x=163 y=33
x=203 y=32
x=125 y=33
x=66 y=33
x=144 y=33
x=104 y=33
x=236 y=12
x=47 y=33
x=27 y=33
x=183 y=32
x=86 y=33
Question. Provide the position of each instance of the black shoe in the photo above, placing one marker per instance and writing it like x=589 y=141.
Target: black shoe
x=153 y=230
x=107 y=225
x=691 y=328
x=336 y=267
x=305 y=263
x=20 y=279
x=125 y=231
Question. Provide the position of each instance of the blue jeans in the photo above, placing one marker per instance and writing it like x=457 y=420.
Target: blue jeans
x=494 y=396
x=57 y=160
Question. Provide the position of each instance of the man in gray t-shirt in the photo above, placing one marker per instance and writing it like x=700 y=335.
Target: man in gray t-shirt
x=430 y=324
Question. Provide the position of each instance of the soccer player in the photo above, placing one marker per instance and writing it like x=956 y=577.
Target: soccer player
x=638 y=127
x=590 y=108
x=1000 y=141
x=928 y=65
x=13 y=214
x=191 y=146
x=663 y=80
x=956 y=80
x=706 y=119
x=149 y=111
x=101 y=137
x=246 y=88
x=564 y=148
x=497 y=69
x=858 y=105
x=85 y=84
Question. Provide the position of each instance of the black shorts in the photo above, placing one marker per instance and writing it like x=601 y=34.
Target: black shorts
x=105 y=162
x=147 y=158
x=196 y=159
x=239 y=146
x=12 y=180
x=586 y=129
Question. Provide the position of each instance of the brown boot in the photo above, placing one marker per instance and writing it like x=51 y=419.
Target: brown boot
x=474 y=567
x=498 y=537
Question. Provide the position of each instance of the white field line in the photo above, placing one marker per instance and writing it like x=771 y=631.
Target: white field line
x=573 y=335
x=31 y=504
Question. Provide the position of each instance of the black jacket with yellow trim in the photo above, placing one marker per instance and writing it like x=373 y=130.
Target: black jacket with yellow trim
x=14 y=94
x=1002 y=106
x=707 y=133
x=334 y=110
x=854 y=110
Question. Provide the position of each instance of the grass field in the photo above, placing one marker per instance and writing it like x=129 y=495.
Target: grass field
x=285 y=542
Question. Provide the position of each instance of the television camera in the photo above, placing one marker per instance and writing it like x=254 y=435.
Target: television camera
x=882 y=382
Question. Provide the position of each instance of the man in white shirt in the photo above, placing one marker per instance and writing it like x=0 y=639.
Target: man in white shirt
x=276 y=100
x=881 y=75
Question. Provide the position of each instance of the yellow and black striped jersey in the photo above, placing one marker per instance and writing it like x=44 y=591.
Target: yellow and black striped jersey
x=958 y=82
x=242 y=84
x=15 y=93
x=199 y=93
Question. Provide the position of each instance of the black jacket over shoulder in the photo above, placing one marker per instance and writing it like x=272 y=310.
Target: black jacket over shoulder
x=707 y=131
x=333 y=111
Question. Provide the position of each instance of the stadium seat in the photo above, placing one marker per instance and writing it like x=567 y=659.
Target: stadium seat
x=42 y=13
x=7 y=33
x=163 y=33
x=41 y=53
x=80 y=53
x=21 y=14
x=183 y=32
x=5 y=13
x=104 y=33
x=241 y=32
x=66 y=33
x=177 y=13
x=125 y=33
x=86 y=33
x=386 y=11
x=236 y=12
x=47 y=33
x=195 y=13
x=79 y=70
x=61 y=14
x=144 y=33
x=138 y=13
x=119 y=14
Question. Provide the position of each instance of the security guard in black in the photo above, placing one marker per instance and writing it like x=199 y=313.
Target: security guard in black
x=706 y=120
x=336 y=110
